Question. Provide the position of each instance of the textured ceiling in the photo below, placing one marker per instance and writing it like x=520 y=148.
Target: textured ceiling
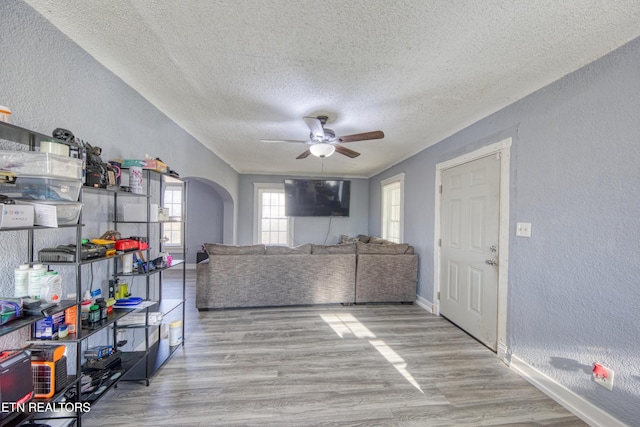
x=233 y=72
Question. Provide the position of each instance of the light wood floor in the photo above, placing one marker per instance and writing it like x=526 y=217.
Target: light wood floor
x=372 y=365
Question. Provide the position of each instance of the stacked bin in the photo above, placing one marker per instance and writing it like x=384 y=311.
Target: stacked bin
x=43 y=180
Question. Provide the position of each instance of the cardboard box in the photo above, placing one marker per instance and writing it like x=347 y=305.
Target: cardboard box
x=163 y=213
x=98 y=352
x=133 y=212
x=16 y=216
x=137 y=212
x=155 y=317
x=47 y=328
x=155 y=165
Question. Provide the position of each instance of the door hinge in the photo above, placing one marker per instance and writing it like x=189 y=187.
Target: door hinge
x=438 y=295
x=440 y=188
x=439 y=242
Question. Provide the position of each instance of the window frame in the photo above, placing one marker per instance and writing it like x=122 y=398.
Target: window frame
x=386 y=186
x=258 y=189
x=166 y=245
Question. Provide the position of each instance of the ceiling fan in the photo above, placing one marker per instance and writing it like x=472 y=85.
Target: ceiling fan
x=324 y=142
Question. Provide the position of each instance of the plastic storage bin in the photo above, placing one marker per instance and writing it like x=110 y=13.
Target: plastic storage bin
x=67 y=212
x=38 y=163
x=39 y=188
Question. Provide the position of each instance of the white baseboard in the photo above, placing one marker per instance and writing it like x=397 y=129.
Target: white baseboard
x=579 y=406
x=424 y=304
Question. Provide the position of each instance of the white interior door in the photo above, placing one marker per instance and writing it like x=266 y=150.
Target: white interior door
x=469 y=232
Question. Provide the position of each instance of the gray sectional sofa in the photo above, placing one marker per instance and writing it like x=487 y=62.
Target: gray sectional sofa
x=263 y=276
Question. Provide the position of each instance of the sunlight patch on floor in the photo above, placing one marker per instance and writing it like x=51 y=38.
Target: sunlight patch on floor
x=344 y=324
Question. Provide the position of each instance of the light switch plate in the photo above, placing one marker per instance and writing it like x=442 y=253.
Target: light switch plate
x=523 y=229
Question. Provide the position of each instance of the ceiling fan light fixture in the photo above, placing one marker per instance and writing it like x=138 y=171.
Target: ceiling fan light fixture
x=322 y=149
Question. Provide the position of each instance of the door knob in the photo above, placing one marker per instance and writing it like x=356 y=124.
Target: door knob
x=493 y=248
x=491 y=262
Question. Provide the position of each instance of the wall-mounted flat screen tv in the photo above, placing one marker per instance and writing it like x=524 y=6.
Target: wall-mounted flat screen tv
x=316 y=197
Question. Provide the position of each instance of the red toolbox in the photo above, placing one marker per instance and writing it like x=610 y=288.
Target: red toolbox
x=127 y=245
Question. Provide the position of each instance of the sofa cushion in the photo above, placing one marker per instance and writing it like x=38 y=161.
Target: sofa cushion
x=285 y=250
x=219 y=249
x=386 y=249
x=348 y=248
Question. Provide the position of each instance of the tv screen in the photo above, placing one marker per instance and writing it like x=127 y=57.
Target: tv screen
x=316 y=197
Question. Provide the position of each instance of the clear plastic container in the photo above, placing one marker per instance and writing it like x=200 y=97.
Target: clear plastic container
x=22 y=281
x=40 y=188
x=39 y=163
x=51 y=287
x=67 y=213
x=36 y=277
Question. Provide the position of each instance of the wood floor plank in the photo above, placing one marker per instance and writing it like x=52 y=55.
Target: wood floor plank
x=371 y=365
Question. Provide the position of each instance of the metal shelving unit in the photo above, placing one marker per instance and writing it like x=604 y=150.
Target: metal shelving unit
x=32 y=140
x=129 y=360
x=156 y=345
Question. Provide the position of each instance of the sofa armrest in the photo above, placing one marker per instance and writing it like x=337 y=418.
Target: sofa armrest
x=386 y=278
x=202 y=284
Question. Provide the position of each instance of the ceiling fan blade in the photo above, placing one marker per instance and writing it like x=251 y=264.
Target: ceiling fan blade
x=315 y=125
x=304 y=155
x=376 y=134
x=346 y=151
x=269 y=141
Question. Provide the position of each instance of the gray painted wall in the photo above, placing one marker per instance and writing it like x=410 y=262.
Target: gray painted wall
x=307 y=229
x=206 y=214
x=49 y=82
x=573 y=286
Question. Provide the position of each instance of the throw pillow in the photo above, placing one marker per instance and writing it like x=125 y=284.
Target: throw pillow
x=219 y=249
x=374 y=248
x=347 y=248
x=286 y=250
x=346 y=239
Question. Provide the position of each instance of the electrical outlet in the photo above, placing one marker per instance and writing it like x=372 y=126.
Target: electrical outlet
x=523 y=229
x=603 y=376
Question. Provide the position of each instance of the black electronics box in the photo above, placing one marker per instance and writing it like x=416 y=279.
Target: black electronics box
x=16 y=383
x=67 y=253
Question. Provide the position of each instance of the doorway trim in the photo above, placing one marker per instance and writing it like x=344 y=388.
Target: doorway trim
x=503 y=149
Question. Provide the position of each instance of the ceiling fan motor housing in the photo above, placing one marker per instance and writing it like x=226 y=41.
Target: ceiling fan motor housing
x=323 y=142
x=323 y=119
x=329 y=135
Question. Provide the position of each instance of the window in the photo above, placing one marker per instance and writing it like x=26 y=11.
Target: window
x=392 y=208
x=271 y=226
x=172 y=199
